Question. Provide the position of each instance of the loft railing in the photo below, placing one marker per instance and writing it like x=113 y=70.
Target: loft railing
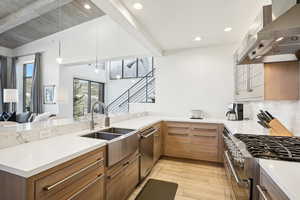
x=141 y=92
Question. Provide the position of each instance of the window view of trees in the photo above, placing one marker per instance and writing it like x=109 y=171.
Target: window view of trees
x=130 y=68
x=85 y=94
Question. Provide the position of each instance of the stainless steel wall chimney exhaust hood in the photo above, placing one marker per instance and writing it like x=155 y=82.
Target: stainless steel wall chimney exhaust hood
x=277 y=40
x=252 y=47
x=283 y=32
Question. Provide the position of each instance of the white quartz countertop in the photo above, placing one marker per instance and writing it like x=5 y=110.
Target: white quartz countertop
x=285 y=174
x=29 y=159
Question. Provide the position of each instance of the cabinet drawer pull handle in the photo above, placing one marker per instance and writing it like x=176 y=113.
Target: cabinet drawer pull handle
x=262 y=192
x=178 y=134
x=51 y=187
x=117 y=173
x=178 y=127
x=125 y=165
x=204 y=135
x=86 y=187
x=134 y=159
x=204 y=129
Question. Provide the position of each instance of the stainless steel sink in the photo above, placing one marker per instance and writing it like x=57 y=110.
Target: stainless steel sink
x=120 y=131
x=102 y=136
x=121 y=143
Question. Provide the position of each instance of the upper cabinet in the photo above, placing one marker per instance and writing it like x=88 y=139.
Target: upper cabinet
x=270 y=81
x=249 y=82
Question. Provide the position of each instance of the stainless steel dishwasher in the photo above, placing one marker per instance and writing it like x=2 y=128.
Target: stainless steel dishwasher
x=146 y=148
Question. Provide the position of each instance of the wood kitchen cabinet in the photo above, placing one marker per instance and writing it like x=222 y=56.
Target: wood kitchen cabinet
x=122 y=178
x=199 y=141
x=269 y=81
x=77 y=179
x=268 y=189
x=94 y=191
x=158 y=142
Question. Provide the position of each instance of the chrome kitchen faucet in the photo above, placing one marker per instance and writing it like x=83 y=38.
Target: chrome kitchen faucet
x=106 y=119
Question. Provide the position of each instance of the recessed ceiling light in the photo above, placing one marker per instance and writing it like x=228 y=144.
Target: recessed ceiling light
x=138 y=6
x=228 y=29
x=87 y=6
x=198 y=38
x=279 y=39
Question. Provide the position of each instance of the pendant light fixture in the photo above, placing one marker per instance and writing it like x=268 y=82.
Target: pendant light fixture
x=59 y=59
x=97 y=63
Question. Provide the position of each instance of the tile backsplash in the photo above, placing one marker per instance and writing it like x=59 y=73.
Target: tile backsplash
x=288 y=112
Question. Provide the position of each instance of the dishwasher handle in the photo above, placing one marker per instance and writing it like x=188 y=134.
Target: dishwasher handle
x=149 y=134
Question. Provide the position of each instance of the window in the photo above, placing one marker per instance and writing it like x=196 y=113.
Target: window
x=27 y=85
x=86 y=93
x=145 y=66
x=116 y=71
x=131 y=68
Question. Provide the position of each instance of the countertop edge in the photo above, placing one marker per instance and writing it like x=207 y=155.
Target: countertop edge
x=27 y=174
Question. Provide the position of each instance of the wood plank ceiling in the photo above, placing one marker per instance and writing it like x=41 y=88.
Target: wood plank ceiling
x=72 y=14
x=8 y=7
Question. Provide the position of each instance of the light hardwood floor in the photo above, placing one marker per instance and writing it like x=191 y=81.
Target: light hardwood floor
x=196 y=180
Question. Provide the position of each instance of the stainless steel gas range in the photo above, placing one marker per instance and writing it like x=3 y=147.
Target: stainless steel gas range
x=241 y=159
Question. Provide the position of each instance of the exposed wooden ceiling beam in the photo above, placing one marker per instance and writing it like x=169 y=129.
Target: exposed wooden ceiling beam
x=120 y=14
x=29 y=12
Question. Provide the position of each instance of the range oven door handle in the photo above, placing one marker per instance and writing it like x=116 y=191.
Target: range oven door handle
x=233 y=172
x=148 y=135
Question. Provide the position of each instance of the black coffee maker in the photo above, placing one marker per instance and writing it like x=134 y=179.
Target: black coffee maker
x=235 y=112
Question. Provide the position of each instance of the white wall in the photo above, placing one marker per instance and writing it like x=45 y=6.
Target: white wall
x=79 y=45
x=67 y=74
x=5 y=51
x=116 y=87
x=195 y=79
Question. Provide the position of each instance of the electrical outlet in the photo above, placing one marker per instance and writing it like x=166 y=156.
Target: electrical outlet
x=45 y=133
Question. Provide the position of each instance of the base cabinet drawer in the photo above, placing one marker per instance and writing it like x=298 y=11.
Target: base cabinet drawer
x=198 y=141
x=131 y=176
x=115 y=187
x=93 y=191
x=62 y=183
x=192 y=152
x=122 y=179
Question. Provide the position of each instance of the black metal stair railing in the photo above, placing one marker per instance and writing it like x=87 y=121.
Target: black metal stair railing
x=141 y=92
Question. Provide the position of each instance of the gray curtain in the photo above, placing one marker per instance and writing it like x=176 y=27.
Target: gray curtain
x=37 y=90
x=3 y=82
x=13 y=80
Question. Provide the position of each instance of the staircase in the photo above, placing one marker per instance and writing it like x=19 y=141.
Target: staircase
x=141 y=92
